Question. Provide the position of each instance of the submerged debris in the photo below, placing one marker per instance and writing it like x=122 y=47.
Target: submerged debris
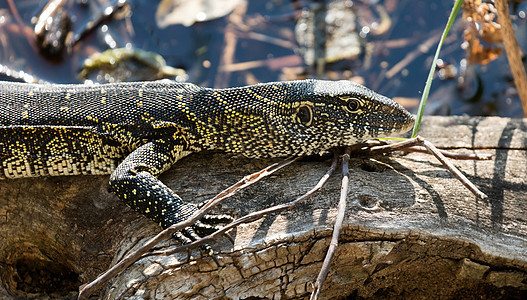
x=52 y=26
x=328 y=32
x=481 y=26
x=124 y=64
x=188 y=12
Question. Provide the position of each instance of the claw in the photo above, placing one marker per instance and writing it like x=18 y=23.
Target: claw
x=207 y=250
x=180 y=237
x=229 y=237
x=189 y=235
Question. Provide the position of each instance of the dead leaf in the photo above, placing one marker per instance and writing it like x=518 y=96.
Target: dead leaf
x=188 y=12
x=481 y=27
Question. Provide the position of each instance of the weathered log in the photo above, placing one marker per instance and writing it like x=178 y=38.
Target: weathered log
x=412 y=230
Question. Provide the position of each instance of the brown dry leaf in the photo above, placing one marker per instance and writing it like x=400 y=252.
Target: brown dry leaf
x=481 y=26
x=491 y=33
x=482 y=55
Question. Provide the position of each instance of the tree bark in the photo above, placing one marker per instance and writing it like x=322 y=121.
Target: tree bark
x=411 y=229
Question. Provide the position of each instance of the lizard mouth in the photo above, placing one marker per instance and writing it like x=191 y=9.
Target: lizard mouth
x=391 y=124
x=384 y=127
x=408 y=124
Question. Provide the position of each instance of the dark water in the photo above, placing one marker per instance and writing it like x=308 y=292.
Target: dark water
x=265 y=49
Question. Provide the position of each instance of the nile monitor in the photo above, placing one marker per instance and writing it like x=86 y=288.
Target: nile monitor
x=135 y=131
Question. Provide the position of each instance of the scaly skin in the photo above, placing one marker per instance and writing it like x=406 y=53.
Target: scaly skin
x=135 y=131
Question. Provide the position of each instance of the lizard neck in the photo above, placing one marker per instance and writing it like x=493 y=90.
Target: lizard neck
x=240 y=120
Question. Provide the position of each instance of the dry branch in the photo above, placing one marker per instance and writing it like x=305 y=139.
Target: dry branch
x=513 y=52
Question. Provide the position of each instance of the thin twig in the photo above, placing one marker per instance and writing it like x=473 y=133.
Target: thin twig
x=453 y=155
x=252 y=216
x=128 y=260
x=419 y=141
x=464 y=180
x=377 y=147
x=396 y=146
x=243 y=183
x=337 y=228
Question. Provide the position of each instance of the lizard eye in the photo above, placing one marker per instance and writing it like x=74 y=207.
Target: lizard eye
x=353 y=105
x=304 y=115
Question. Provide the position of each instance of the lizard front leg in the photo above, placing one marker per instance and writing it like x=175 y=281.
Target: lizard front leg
x=135 y=182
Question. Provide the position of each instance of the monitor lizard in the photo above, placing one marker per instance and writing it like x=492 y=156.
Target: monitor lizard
x=135 y=131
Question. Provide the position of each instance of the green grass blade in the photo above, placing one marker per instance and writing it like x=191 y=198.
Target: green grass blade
x=426 y=90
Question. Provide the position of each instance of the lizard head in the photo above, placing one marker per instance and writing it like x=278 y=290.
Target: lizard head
x=338 y=113
x=301 y=117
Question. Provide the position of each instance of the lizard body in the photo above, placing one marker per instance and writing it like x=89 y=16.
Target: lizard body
x=135 y=131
